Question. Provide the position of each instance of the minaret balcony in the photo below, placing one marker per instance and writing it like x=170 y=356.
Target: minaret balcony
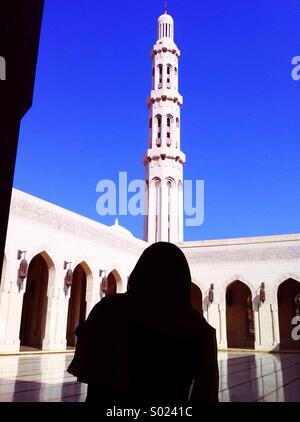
x=167 y=152
x=165 y=94
x=165 y=45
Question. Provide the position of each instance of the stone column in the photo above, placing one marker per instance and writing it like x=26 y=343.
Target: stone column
x=152 y=212
x=153 y=131
x=56 y=319
x=163 y=128
x=174 y=213
x=164 y=212
x=275 y=326
x=93 y=295
x=164 y=75
x=4 y=307
x=180 y=212
x=11 y=301
x=223 y=328
x=63 y=316
x=265 y=327
x=257 y=340
x=213 y=318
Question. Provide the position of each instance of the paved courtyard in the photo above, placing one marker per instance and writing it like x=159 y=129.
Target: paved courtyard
x=243 y=377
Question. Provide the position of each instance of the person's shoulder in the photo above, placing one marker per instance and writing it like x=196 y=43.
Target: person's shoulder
x=109 y=302
x=200 y=323
x=114 y=298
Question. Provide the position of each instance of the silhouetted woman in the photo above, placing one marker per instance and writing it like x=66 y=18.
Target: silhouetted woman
x=149 y=344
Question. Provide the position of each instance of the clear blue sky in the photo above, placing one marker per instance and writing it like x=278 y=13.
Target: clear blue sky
x=240 y=118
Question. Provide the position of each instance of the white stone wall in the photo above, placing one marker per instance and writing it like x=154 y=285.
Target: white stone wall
x=270 y=260
x=39 y=227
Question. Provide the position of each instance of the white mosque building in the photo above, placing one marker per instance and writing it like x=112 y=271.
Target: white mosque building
x=55 y=260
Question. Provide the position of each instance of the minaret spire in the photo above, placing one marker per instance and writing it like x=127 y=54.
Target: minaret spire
x=164 y=159
x=165 y=7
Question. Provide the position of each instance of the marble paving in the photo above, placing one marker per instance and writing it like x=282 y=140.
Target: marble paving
x=244 y=377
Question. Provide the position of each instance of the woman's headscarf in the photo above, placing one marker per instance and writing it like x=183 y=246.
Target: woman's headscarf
x=161 y=278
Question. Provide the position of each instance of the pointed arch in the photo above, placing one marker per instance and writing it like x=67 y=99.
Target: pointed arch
x=177 y=134
x=159 y=70
x=157 y=129
x=242 y=279
x=169 y=75
x=288 y=308
x=155 y=204
x=41 y=273
x=153 y=181
x=85 y=264
x=50 y=256
x=77 y=307
x=170 y=190
x=170 y=129
x=239 y=315
x=114 y=282
x=284 y=277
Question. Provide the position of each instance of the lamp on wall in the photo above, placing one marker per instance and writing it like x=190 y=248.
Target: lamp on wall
x=211 y=293
x=262 y=293
x=69 y=274
x=23 y=269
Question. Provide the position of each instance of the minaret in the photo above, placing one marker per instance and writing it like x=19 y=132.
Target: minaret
x=164 y=160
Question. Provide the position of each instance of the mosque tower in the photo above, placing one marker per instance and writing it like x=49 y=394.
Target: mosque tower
x=163 y=159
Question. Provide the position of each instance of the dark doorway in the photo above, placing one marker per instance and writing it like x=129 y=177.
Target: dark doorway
x=287 y=309
x=111 y=284
x=114 y=283
x=239 y=316
x=34 y=310
x=77 y=304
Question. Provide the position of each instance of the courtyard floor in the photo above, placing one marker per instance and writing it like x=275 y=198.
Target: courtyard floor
x=243 y=377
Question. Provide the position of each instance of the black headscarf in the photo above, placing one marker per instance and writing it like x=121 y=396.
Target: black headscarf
x=161 y=278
